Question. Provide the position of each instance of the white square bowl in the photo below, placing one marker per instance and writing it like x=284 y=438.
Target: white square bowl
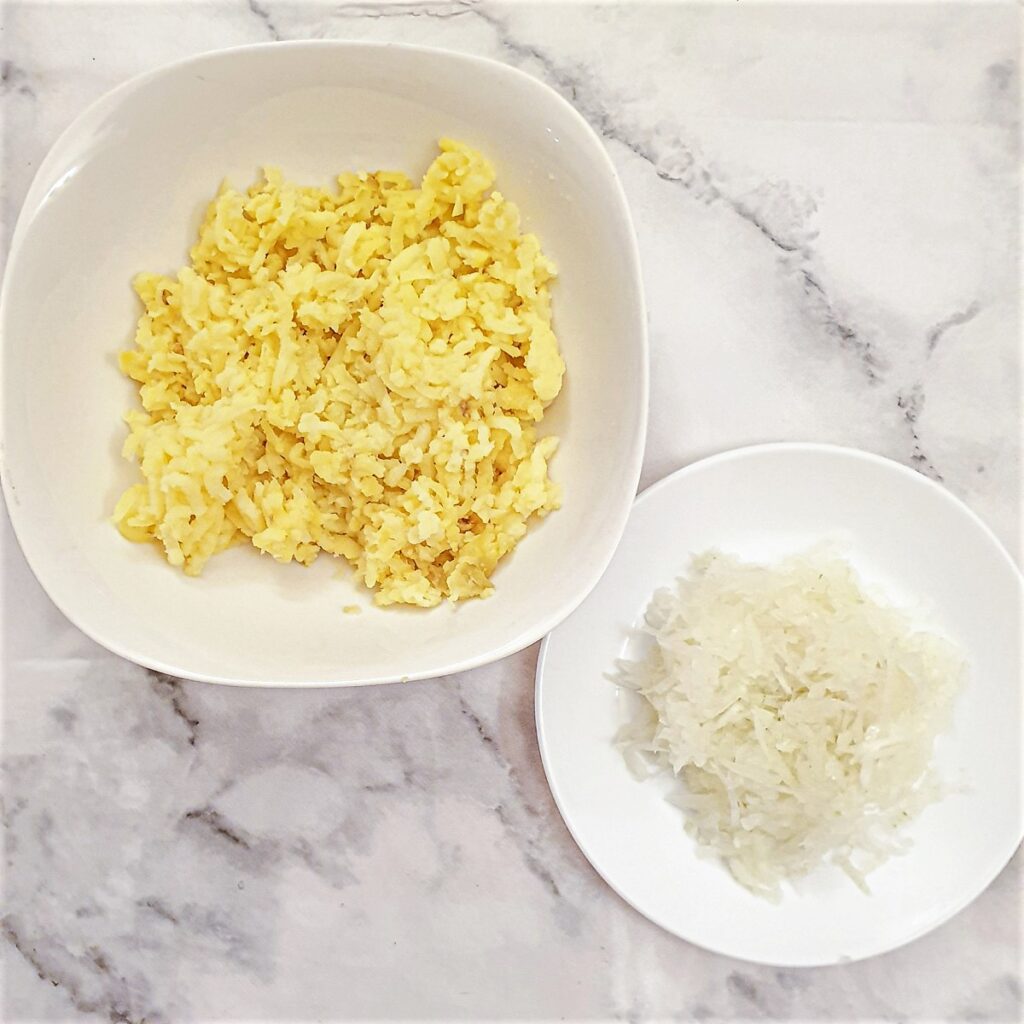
x=123 y=191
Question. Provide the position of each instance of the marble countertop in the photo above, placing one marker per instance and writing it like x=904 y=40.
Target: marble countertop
x=826 y=199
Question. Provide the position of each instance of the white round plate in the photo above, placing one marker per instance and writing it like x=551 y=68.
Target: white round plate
x=903 y=533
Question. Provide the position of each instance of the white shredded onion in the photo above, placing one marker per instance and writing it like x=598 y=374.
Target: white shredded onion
x=799 y=714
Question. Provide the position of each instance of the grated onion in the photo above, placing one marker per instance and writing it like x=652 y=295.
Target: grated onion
x=799 y=714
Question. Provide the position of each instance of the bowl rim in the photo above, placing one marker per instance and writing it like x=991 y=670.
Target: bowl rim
x=543 y=743
x=38 y=191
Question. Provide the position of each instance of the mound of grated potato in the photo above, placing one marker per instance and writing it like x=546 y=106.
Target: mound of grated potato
x=358 y=372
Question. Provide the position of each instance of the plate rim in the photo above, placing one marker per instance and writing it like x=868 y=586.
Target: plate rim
x=651 y=491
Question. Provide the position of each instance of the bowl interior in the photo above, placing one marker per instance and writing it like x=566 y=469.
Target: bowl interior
x=124 y=191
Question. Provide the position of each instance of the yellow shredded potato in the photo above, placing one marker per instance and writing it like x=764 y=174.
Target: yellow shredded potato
x=358 y=372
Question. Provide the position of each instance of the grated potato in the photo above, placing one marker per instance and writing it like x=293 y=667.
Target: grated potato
x=358 y=372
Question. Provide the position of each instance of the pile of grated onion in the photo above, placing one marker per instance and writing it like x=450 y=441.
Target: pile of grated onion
x=799 y=714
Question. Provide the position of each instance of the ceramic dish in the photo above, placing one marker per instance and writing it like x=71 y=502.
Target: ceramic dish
x=904 y=534
x=124 y=189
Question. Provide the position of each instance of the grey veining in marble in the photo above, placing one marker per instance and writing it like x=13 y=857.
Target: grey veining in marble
x=827 y=202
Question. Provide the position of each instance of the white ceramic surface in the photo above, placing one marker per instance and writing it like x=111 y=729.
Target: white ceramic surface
x=123 y=191
x=927 y=552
